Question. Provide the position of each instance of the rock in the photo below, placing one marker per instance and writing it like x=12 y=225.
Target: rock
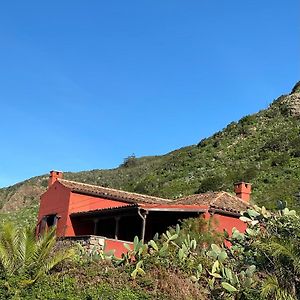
x=290 y=105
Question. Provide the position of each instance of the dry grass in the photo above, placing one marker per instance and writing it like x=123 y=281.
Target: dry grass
x=176 y=285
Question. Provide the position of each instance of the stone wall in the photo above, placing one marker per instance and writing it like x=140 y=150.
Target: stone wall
x=90 y=243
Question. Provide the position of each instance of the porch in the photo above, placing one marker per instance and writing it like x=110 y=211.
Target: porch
x=124 y=223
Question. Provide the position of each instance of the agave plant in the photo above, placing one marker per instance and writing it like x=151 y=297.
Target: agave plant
x=25 y=258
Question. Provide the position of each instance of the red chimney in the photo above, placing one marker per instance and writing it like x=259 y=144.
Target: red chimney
x=243 y=190
x=54 y=175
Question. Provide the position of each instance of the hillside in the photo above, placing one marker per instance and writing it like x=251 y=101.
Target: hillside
x=263 y=148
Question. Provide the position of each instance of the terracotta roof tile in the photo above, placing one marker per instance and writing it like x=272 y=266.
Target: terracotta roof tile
x=110 y=193
x=216 y=200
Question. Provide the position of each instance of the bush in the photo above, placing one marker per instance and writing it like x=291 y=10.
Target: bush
x=296 y=88
x=212 y=183
x=67 y=288
x=204 y=142
x=129 y=161
x=280 y=160
x=247 y=120
x=249 y=174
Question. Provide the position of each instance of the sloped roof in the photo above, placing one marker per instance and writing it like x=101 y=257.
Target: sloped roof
x=212 y=200
x=110 y=193
x=215 y=200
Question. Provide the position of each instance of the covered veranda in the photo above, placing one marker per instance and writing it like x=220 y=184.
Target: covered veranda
x=126 y=222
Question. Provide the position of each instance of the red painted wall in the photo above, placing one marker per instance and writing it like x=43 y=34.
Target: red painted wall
x=227 y=223
x=117 y=246
x=61 y=201
x=56 y=201
x=80 y=202
x=221 y=222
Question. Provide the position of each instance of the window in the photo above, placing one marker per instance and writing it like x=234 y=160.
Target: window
x=47 y=222
x=51 y=220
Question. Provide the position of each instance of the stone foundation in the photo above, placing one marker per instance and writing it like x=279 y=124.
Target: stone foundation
x=90 y=243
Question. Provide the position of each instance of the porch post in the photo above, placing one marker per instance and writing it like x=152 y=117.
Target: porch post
x=143 y=216
x=117 y=219
x=95 y=225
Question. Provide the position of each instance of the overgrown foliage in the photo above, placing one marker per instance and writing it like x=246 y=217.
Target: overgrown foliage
x=261 y=263
x=25 y=259
x=190 y=261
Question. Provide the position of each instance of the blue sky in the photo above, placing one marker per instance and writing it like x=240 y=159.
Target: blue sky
x=84 y=84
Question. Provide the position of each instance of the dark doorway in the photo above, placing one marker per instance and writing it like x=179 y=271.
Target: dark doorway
x=47 y=222
x=160 y=221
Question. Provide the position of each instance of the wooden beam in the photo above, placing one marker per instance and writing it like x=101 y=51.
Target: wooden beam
x=95 y=225
x=117 y=219
x=103 y=217
x=143 y=215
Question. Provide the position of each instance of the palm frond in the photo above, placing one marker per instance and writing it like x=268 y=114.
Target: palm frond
x=272 y=289
x=21 y=254
x=8 y=248
x=54 y=261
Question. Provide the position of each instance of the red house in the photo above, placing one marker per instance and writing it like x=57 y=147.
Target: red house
x=79 y=209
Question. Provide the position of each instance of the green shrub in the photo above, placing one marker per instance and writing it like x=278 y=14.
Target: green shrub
x=247 y=120
x=280 y=160
x=129 y=161
x=212 y=183
x=296 y=88
x=203 y=143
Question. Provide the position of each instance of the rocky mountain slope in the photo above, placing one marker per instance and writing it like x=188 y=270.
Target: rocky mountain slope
x=263 y=149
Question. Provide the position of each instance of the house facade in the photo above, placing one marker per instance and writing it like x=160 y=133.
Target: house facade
x=79 y=209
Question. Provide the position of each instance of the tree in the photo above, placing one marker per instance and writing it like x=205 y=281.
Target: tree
x=212 y=183
x=129 y=161
x=24 y=259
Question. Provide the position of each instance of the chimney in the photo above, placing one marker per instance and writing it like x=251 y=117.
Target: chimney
x=243 y=190
x=54 y=175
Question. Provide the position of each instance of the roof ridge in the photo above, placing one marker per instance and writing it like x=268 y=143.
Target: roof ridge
x=114 y=190
x=229 y=195
x=237 y=198
x=194 y=195
x=220 y=194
